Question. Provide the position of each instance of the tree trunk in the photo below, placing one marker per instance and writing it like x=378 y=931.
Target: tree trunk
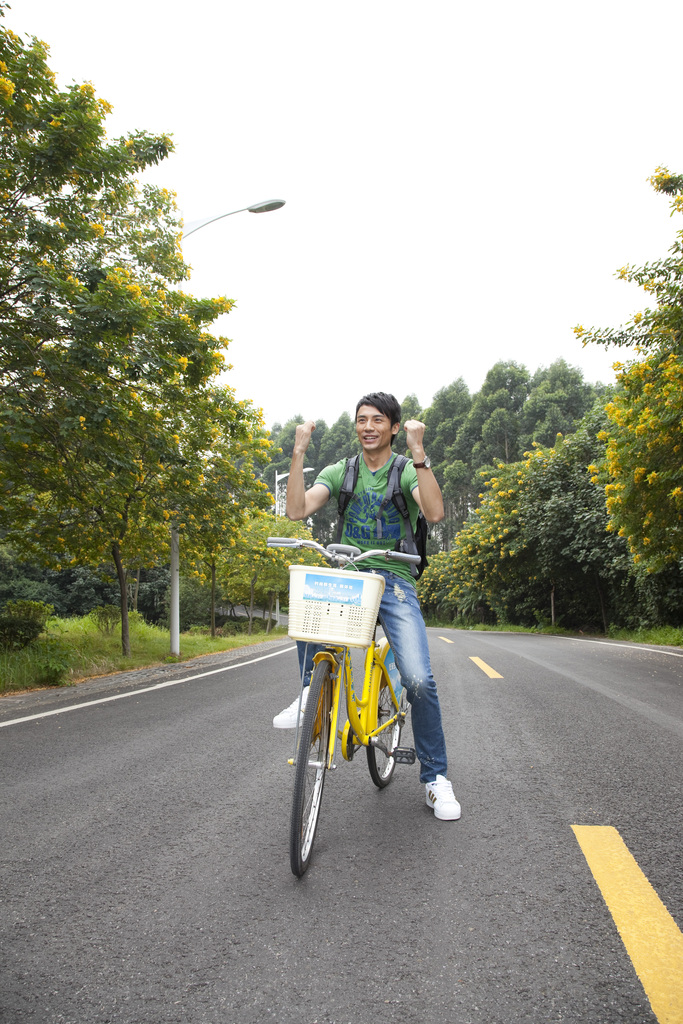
x=552 y=605
x=121 y=573
x=213 y=599
x=602 y=605
x=251 y=603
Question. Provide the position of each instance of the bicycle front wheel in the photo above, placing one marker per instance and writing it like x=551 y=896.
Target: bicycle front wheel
x=311 y=762
x=380 y=766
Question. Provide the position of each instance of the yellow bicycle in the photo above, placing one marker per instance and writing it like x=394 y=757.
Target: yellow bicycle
x=336 y=609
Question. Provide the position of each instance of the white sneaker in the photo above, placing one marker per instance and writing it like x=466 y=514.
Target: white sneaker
x=441 y=799
x=289 y=718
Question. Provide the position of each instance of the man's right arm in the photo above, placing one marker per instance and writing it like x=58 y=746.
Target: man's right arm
x=302 y=503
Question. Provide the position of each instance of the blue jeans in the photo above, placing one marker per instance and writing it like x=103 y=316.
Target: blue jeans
x=402 y=622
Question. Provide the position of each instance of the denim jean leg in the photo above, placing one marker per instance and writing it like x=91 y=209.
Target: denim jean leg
x=402 y=621
x=306 y=652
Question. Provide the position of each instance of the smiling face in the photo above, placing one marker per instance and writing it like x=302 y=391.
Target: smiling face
x=375 y=430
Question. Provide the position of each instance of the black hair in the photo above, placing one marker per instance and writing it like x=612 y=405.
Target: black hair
x=387 y=405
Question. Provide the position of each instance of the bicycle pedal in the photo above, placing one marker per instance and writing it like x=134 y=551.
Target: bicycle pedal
x=403 y=755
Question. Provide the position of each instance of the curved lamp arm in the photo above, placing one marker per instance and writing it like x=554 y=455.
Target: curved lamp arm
x=265 y=207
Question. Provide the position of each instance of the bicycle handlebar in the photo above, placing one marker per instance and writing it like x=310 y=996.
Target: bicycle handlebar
x=342 y=553
x=403 y=556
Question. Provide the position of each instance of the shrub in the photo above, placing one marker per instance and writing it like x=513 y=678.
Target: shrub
x=106 y=617
x=50 y=661
x=38 y=610
x=22 y=622
x=17 y=633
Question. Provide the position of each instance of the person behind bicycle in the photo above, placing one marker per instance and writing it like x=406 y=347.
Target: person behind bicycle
x=378 y=419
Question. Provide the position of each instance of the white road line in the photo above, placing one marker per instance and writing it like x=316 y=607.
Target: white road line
x=613 y=643
x=145 y=689
x=581 y=640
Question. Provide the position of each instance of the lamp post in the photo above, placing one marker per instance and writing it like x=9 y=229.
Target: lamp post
x=278 y=478
x=174 y=618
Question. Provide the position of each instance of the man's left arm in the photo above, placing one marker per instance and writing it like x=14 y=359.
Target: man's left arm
x=427 y=493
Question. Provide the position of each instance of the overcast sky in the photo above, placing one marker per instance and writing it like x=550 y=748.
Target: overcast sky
x=462 y=180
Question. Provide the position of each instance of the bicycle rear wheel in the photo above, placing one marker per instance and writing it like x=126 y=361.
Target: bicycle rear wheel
x=311 y=761
x=380 y=766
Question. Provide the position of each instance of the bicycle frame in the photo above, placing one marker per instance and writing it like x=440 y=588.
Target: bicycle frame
x=361 y=711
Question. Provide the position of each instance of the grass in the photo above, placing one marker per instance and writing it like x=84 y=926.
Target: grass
x=660 y=636
x=75 y=649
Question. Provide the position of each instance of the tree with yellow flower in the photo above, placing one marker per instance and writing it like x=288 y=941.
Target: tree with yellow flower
x=643 y=469
x=109 y=400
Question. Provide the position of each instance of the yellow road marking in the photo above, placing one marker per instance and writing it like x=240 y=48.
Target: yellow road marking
x=652 y=939
x=446 y=640
x=490 y=672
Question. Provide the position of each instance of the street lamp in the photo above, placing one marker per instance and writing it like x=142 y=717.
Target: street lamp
x=174 y=623
x=278 y=478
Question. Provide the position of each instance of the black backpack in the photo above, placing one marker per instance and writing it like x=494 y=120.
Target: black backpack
x=414 y=543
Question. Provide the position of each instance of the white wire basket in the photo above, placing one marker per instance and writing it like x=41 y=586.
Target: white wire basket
x=332 y=606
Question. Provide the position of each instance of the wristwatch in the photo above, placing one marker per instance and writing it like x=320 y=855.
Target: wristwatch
x=423 y=465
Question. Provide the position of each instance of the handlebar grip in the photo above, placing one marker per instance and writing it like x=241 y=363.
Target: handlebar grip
x=400 y=556
x=282 y=542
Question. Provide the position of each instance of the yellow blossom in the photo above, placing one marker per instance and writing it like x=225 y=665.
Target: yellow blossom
x=6 y=89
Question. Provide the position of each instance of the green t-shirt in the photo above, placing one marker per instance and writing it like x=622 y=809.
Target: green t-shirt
x=360 y=518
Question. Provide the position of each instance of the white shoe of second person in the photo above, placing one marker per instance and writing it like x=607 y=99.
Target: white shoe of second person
x=292 y=716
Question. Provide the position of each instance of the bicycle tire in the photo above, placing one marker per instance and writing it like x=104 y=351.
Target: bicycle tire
x=380 y=766
x=310 y=768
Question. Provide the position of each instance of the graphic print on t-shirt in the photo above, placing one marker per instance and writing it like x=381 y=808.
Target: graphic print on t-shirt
x=361 y=519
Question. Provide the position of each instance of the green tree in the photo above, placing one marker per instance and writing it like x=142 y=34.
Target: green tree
x=491 y=430
x=282 y=438
x=558 y=400
x=410 y=410
x=564 y=521
x=228 y=493
x=254 y=574
x=443 y=419
x=339 y=442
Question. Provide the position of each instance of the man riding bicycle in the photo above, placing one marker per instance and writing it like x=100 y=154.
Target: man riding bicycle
x=378 y=420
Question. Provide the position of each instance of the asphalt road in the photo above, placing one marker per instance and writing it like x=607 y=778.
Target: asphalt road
x=146 y=877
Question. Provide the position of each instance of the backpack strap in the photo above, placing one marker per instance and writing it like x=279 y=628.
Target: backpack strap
x=395 y=494
x=346 y=493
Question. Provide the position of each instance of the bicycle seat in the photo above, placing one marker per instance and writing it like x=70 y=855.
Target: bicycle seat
x=343 y=549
